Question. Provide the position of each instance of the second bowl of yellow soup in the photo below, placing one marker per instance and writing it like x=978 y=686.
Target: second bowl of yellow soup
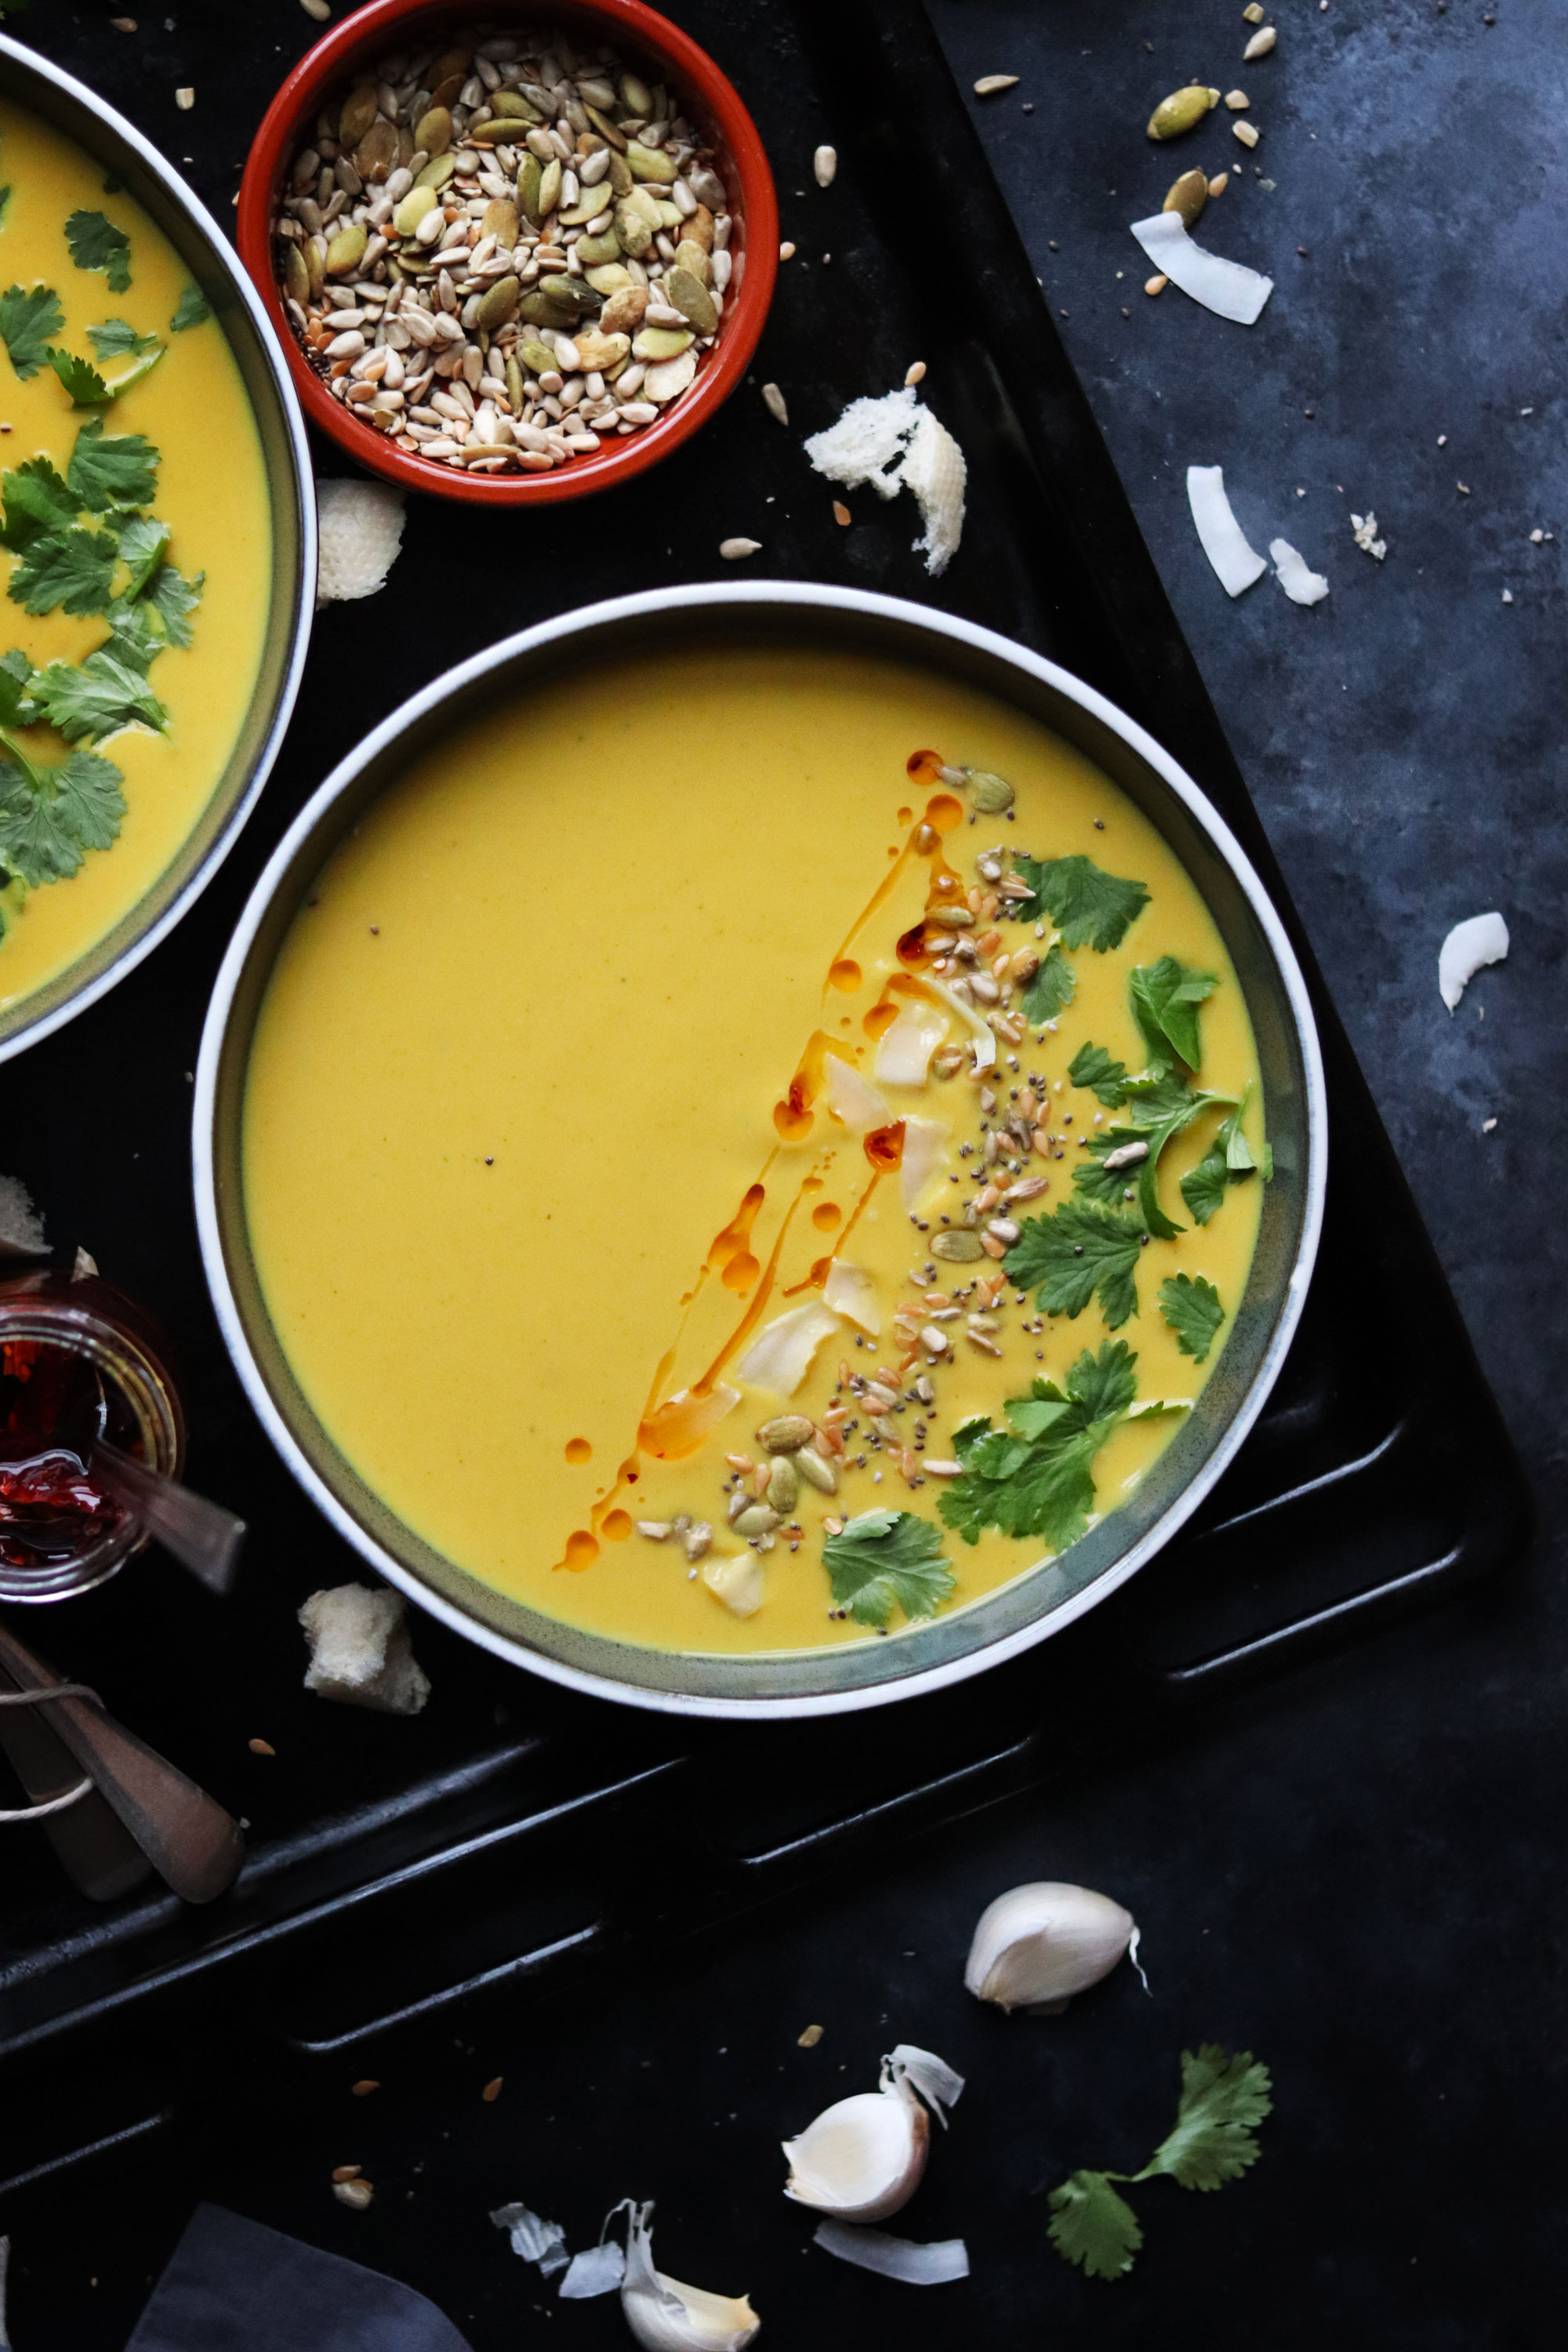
x=157 y=547
x=759 y=1149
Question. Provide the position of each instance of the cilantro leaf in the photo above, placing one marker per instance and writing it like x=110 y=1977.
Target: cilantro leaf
x=142 y=546
x=1038 y=1480
x=1165 y=1000
x=1092 y=1066
x=1193 y=1312
x=50 y=817
x=176 y=599
x=1212 y=2140
x=81 y=379
x=36 y=501
x=137 y=632
x=96 y=242
x=192 y=310
x=118 y=339
x=1082 y=1249
x=1162 y=1108
x=885 y=1559
x=71 y=568
x=1094 y=2226
x=98 y=697
x=1052 y=989
x=1227 y=1161
x=29 y=320
x=116 y=471
x=1089 y=905
x=18 y=681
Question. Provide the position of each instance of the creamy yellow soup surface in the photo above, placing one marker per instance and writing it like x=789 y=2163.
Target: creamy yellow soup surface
x=539 y=1145
x=211 y=490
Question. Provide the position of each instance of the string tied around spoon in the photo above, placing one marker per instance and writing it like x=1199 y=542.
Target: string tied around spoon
x=41 y=1698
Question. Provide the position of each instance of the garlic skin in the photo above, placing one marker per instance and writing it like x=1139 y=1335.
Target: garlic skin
x=667 y=2316
x=1037 y=1944
x=863 y=2158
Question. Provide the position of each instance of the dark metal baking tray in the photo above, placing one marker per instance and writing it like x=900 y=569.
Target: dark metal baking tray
x=401 y=1870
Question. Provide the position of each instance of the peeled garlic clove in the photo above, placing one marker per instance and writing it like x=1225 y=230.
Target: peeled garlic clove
x=1037 y=1944
x=862 y=2159
x=667 y=2316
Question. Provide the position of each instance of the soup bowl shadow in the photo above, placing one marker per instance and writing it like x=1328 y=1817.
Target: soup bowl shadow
x=1042 y=1601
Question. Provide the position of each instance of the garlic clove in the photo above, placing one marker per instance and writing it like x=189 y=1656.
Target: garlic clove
x=1038 y=1945
x=668 y=2317
x=862 y=2159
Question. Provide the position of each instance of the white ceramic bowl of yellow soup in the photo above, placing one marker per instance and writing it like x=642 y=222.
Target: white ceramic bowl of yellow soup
x=487 y=1096
x=233 y=484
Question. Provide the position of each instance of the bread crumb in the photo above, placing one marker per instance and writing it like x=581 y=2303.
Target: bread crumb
x=359 y=529
x=892 y=443
x=359 y=1651
x=21 y=1227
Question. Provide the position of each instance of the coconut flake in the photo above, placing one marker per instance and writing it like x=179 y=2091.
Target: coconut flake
x=679 y=1425
x=1295 y=575
x=779 y=1358
x=925 y=1156
x=1236 y=565
x=360 y=531
x=851 y=1292
x=737 y=1580
x=1363 y=530
x=894 y=443
x=1226 y=288
x=535 y=2239
x=851 y=1098
x=1480 y=940
x=903 y=1055
x=983 y=1036
x=895 y=2258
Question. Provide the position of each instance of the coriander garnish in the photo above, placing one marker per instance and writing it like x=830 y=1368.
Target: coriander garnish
x=887 y=1559
x=1193 y=1312
x=1090 y=906
x=96 y=242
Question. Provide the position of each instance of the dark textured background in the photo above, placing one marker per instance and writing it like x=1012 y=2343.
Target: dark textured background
x=1356 y=1872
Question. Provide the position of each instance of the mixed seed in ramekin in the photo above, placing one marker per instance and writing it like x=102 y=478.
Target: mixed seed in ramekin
x=500 y=253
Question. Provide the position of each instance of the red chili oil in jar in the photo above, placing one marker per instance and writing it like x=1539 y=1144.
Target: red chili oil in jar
x=77 y=1360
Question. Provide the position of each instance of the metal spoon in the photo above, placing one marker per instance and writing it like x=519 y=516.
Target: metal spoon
x=193 y=1844
x=202 y=1536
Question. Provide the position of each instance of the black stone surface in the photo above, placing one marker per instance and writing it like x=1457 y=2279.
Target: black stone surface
x=1356 y=1873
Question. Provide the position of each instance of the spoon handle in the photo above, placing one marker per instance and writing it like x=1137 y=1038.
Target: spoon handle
x=193 y=1844
x=203 y=1536
x=94 y=1849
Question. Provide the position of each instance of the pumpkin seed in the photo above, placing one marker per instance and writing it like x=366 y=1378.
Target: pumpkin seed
x=646 y=207
x=316 y=266
x=691 y=299
x=635 y=96
x=454 y=62
x=296 y=275
x=757 y=1519
x=691 y=256
x=497 y=304
x=634 y=233
x=549 y=187
x=669 y=378
x=661 y=342
x=433 y=132
x=989 y=794
x=602 y=351
x=529 y=174
x=538 y=310
x=377 y=150
x=609 y=278
x=698 y=230
x=1187 y=196
x=490 y=132
x=569 y=291
x=500 y=220
x=649 y=163
x=513 y=103
x=346 y=249
x=536 y=357
x=810 y=1465
x=620 y=175
x=957 y=1247
x=412 y=209
x=436 y=171
x=614 y=138
x=787 y=1435
x=597 y=252
x=588 y=206
x=360 y=110
x=514 y=391
x=623 y=313
x=1182 y=112
x=784 y=1484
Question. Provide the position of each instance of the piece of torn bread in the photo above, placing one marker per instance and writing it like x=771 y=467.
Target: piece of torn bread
x=895 y=443
x=360 y=1650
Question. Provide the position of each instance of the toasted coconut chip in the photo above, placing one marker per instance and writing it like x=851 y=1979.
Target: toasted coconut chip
x=361 y=530
x=1236 y=565
x=925 y=1157
x=1480 y=940
x=904 y=1051
x=851 y=1098
x=779 y=1358
x=1228 y=289
x=1295 y=574
x=851 y=1292
x=894 y=2258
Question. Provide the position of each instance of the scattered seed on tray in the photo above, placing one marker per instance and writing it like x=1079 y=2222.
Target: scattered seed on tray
x=733 y=549
x=503 y=254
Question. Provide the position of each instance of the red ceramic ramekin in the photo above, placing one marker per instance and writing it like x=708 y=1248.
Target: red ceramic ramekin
x=643 y=39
